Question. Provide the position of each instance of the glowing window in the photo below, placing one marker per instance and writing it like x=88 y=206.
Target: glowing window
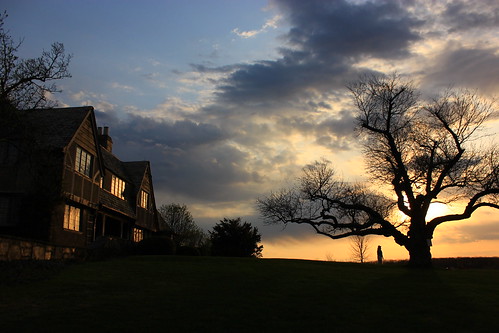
x=83 y=163
x=138 y=235
x=72 y=218
x=144 y=199
x=117 y=187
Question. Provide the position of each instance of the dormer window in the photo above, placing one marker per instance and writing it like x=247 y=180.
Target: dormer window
x=118 y=187
x=83 y=163
x=144 y=199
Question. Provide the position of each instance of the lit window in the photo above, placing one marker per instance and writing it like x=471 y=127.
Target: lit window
x=83 y=162
x=144 y=199
x=138 y=235
x=72 y=218
x=117 y=187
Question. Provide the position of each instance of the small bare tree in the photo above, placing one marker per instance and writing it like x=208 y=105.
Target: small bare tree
x=27 y=83
x=420 y=152
x=360 y=246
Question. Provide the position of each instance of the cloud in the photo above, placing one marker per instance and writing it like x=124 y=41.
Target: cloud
x=469 y=67
x=122 y=87
x=180 y=134
x=254 y=125
x=329 y=28
x=271 y=23
x=325 y=41
x=196 y=160
x=466 y=15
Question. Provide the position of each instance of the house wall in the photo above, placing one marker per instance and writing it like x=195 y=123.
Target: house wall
x=147 y=218
x=64 y=237
x=31 y=184
x=12 y=248
x=79 y=191
x=78 y=187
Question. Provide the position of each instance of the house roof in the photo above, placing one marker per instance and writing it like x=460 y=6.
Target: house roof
x=56 y=127
x=113 y=164
x=136 y=171
x=132 y=172
x=112 y=202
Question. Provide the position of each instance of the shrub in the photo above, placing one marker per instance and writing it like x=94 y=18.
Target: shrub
x=108 y=247
x=155 y=246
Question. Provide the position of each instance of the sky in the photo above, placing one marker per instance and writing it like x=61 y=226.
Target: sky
x=230 y=99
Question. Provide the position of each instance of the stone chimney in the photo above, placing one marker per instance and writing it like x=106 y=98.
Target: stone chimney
x=104 y=139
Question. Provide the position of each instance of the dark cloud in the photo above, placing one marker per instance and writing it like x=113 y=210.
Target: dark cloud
x=466 y=15
x=279 y=83
x=326 y=29
x=172 y=134
x=202 y=68
x=190 y=159
x=326 y=39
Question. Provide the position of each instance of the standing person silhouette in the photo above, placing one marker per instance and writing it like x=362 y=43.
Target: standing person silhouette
x=380 y=255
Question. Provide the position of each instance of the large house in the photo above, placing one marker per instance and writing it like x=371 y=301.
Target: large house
x=61 y=184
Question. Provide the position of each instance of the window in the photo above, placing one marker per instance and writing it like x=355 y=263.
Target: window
x=83 y=163
x=138 y=235
x=117 y=187
x=144 y=199
x=72 y=218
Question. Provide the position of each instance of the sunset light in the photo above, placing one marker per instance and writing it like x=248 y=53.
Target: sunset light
x=229 y=101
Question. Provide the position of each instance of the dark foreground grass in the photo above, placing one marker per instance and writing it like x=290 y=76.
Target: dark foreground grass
x=204 y=294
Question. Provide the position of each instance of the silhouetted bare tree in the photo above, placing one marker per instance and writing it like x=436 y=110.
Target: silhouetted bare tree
x=421 y=152
x=24 y=83
x=360 y=247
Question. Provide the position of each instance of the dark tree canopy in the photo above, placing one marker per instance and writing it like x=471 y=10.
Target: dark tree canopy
x=234 y=238
x=421 y=152
x=27 y=83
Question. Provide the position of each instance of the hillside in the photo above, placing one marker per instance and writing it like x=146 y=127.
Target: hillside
x=200 y=294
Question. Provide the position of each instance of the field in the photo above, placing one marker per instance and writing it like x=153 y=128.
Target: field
x=206 y=294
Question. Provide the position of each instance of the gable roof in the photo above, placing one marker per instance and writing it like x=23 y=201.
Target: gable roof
x=132 y=172
x=55 y=128
x=136 y=171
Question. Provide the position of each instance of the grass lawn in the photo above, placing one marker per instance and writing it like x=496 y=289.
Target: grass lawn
x=206 y=294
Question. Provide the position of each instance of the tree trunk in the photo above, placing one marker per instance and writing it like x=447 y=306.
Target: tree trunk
x=418 y=244
x=420 y=257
